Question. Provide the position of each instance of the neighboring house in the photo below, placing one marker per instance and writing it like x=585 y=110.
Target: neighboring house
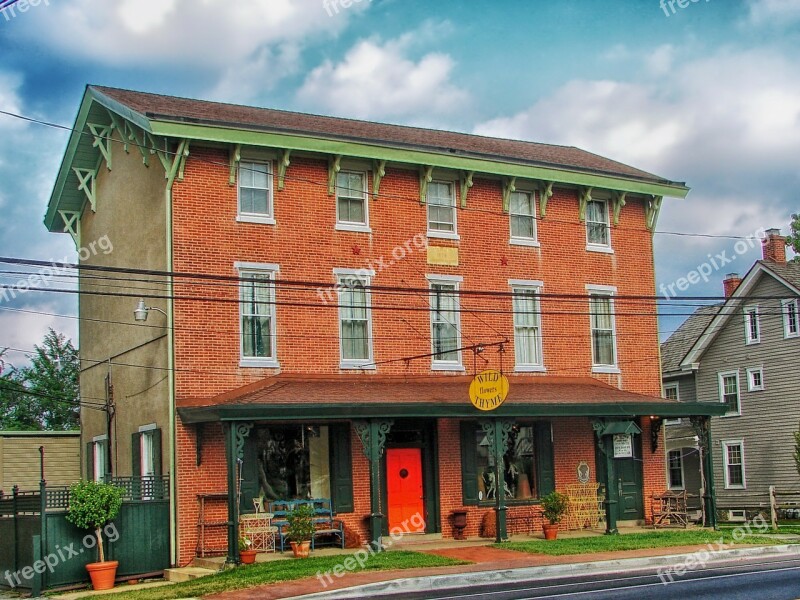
x=21 y=459
x=329 y=308
x=743 y=354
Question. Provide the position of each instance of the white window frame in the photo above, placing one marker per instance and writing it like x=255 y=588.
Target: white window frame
x=750 y=313
x=147 y=432
x=455 y=281
x=99 y=451
x=672 y=386
x=725 y=445
x=682 y=486
x=520 y=240
x=594 y=246
x=271 y=270
x=609 y=292
x=785 y=304
x=342 y=225
x=437 y=233
x=751 y=385
x=267 y=218
x=525 y=285
x=365 y=276
x=721 y=387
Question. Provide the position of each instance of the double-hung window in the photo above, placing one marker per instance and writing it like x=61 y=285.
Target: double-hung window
x=598 y=230
x=675 y=469
x=755 y=379
x=671 y=392
x=733 y=456
x=355 y=320
x=352 y=208
x=99 y=458
x=527 y=325
x=791 y=318
x=445 y=322
x=257 y=314
x=729 y=392
x=255 y=192
x=752 y=326
x=603 y=329
x=522 y=217
x=441 y=201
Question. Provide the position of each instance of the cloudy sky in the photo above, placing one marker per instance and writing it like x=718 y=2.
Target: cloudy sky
x=708 y=94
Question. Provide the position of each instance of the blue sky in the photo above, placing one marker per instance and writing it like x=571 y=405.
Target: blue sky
x=708 y=94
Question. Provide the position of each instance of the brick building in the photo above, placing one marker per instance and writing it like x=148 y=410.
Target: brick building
x=321 y=292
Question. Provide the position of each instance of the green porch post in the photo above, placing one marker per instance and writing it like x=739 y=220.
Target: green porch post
x=373 y=434
x=612 y=493
x=235 y=434
x=702 y=427
x=498 y=430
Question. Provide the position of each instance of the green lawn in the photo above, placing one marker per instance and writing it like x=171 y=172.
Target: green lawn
x=280 y=570
x=633 y=541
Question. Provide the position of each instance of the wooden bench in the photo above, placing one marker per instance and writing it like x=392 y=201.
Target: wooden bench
x=325 y=523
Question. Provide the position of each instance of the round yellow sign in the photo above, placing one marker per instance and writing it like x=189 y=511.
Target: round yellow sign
x=488 y=390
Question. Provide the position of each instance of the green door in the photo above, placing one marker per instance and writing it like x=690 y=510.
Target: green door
x=629 y=484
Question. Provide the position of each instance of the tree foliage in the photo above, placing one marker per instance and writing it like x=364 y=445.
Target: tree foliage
x=93 y=505
x=793 y=239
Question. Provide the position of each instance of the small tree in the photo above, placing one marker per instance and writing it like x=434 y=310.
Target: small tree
x=793 y=239
x=554 y=505
x=93 y=505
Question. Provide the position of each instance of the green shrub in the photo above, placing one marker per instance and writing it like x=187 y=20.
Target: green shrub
x=301 y=523
x=554 y=505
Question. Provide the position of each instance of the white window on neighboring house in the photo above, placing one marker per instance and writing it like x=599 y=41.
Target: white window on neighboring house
x=441 y=202
x=257 y=314
x=755 y=380
x=671 y=392
x=752 y=326
x=733 y=457
x=527 y=325
x=99 y=458
x=791 y=318
x=675 y=469
x=445 y=323
x=603 y=329
x=522 y=218
x=355 y=320
x=598 y=230
x=146 y=452
x=352 y=208
x=729 y=392
x=255 y=192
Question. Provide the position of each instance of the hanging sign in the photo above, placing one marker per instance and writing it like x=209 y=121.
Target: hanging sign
x=488 y=390
x=623 y=445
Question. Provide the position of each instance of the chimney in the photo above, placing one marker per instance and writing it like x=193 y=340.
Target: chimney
x=730 y=283
x=773 y=246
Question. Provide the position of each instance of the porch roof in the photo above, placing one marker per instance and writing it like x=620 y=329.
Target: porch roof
x=363 y=396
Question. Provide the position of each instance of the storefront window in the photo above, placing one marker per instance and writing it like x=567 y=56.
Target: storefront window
x=293 y=462
x=519 y=465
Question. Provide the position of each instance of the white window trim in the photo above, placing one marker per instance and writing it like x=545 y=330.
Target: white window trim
x=750 y=386
x=672 y=386
x=784 y=310
x=594 y=247
x=365 y=276
x=150 y=427
x=721 y=391
x=447 y=365
x=609 y=291
x=350 y=225
x=683 y=471
x=538 y=287
x=96 y=443
x=725 y=445
x=444 y=235
x=751 y=310
x=532 y=242
x=267 y=218
x=271 y=269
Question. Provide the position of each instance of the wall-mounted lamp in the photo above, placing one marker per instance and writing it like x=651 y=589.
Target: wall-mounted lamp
x=140 y=313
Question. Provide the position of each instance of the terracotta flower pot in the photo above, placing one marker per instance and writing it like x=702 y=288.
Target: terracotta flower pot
x=248 y=557
x=550 y=531
x=301 y=549
x=103 y=574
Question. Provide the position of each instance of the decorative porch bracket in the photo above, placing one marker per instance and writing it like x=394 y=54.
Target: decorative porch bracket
x=425 y=177
x=509 y=187
x=130 y=136
x=584 y=197
x=652 y=208
x=87 y=184
x=72 y=225
x=235 y=157
x=545 y=193
x=334 y=166
x=378 y=173
x=619 y=202
x=101 y=134
x=283 y=164
x=498 y=433
x=702 y=427
x=655 y=430
x=466 y=184
x=235 y=435
x=373 y=434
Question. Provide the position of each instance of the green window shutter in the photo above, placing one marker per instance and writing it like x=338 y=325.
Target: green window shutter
x=89 y=461
x=136 y=454
x=341 y=468
x=469 y=464
x=157 y=452
x=545 y=466
x=250 y=486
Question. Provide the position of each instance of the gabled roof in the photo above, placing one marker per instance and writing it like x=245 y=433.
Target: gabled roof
x=788 y=274
x=677 y=346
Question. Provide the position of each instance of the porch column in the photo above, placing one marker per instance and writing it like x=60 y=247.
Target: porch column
x=497 y=432
x=702 y=427
x=235 y=434
x=372 y=434
x=612 y=493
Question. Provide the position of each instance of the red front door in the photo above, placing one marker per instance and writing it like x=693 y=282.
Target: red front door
x=404 y=489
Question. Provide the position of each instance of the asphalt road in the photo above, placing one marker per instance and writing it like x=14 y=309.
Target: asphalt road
x=754 y=579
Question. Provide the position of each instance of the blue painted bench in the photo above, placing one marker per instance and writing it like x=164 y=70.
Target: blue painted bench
x=324 y=520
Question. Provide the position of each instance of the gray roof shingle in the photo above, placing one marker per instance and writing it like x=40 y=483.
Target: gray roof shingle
x=677 y=346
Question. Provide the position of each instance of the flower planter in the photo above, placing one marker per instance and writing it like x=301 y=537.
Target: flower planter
x=248 y=557
x=301 y=549
x=550 y=531
x=103 y=574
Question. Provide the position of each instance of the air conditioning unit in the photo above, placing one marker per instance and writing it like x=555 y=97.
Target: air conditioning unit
x=737 y=516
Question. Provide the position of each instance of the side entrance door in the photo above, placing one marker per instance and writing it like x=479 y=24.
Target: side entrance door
x=405 y=497
x=629 y=483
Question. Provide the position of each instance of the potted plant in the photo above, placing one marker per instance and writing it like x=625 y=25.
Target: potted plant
x=554 y=505
x=246 y=553
x=300 y=529
x=92 y=506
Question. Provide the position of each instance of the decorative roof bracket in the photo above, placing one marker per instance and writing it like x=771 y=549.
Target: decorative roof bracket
x=122 y=127
x=466 y=184
x=652 y=208
x=72 y=225
x=86 y=183
x=283 y=164
x=545 y=193
x=182 y=156
x=378 y=173
x=619 y=202
x=163 y=155
x=425 y=177
x=102 y=140
x=584 y=197
x=334 y=166
x=175 y=167
x=509 y=187
x=235 y=157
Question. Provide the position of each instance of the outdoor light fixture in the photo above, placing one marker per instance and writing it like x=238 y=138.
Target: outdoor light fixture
x=140 y=313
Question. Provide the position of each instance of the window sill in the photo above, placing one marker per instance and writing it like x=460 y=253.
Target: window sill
x=609 y=370
x=600 y=249
x=263 y=220
x=752 y=342
x=735 y=487
x=357 y=366
x=259 y=363
x=443 y=235
x=355 y=227
x=524 y=242
x=761 y=389
x=447 y=367
x=530 y=369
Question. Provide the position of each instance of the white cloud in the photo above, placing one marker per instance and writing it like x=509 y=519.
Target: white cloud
x=10 y=102
x=659 y=62
x=245 y=82
x=25 y=329
x=773 y=12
